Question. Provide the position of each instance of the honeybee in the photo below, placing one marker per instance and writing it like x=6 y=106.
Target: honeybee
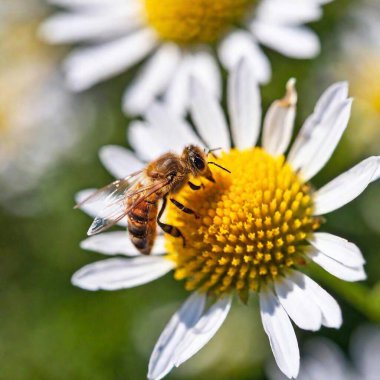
x=137 y=196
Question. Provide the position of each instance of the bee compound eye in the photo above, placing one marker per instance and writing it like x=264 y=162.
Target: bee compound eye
x=199 y=163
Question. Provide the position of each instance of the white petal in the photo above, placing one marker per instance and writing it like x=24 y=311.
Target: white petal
x=117 y=273
x=93 y=208
x=88 y=66
x=321 y=131
x=206 y=70
x=77 y=27
x=239 y=45
x=208 y=117
x=203 y=331
x=170 y=130
x=338 y=249
x=152 y=80
x=281 y=334
x=279 y=122
x=294 y=299
x=119 y=161
x=146 y=147
x=288 y=12
x=118 y=242
x=331 y=313
x=176 y=96
x=295 y=42
x=89 y=3
x=346 y=187
x=163 y=355
x=338 y=269
x=244 y=105
x=325 y=139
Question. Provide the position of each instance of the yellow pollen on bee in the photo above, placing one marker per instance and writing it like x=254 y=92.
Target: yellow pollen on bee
x=252 y=227
x=195 y=21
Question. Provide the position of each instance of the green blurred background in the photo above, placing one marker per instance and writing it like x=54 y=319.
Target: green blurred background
x=51 y=330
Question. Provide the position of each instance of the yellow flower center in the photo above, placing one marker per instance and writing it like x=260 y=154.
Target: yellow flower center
x=252 y=225
x=195 y=21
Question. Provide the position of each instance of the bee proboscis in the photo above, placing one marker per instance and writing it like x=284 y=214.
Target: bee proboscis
x=137 y=196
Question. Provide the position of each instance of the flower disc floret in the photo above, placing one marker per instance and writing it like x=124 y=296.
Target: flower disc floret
x=195 y=21
x=251 y=226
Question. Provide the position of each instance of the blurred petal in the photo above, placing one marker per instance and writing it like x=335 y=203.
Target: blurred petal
x=338 y=269
x=365 y=349
x=208 y=117
x=88 y=66
x=294 y=299
x=346 y=187
x=338 y=249
x=291 y=41
x=288 y=12
x=146 y=146
x=119 y=161
x=176 y=96
x=78 y=27
x=279 y=122
x=89 y=3
x=281 y=334
x=206 y=70
x=152 y=80
x=203 y=331
x=117 y=273
x=118 y=242
x=322 y=131
x=244 y=105
x=164 y=352
x=170 y=130
x=242 y=45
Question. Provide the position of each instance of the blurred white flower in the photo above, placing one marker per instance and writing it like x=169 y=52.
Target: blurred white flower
x=358 y=60
x=39 y=121
x=179 y=39
x=324 y=360
x=257 y=227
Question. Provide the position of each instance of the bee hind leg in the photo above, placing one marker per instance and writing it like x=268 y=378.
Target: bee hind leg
x=183 y=208
x=167 y=228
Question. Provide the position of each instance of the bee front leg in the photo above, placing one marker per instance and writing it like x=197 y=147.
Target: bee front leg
x=195 y=187
x=184 y=208
x=167 y=228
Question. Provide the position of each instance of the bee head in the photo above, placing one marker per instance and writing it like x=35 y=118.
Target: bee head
x=197 y=161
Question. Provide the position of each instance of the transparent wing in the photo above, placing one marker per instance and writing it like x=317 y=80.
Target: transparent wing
x=114 y=199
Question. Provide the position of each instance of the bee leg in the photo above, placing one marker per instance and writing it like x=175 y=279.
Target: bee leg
x=194 y=186
x=184 y=208
x=167 y=228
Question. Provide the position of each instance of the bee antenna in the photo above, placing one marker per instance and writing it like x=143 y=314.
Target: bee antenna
x=219 y=166
x=208 y=151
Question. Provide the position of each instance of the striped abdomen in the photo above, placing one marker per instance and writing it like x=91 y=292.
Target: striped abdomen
x=142 y=224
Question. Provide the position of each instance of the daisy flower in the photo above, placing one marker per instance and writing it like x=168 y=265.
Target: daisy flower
x=178 y=39
x=323 y=359
x=257 y=227
x=39 y=120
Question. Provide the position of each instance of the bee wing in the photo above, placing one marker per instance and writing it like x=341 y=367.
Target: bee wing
x=114 y=189
x=115 y=200
x=112 y=202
